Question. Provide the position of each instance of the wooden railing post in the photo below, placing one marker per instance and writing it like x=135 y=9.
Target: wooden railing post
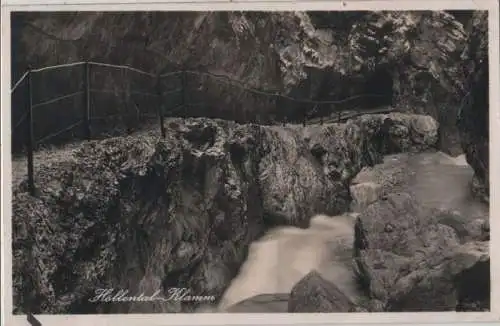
x=304 y=115
x=86 y=101
x=320 y=112
x=278 y=109
x=160 y=105
x=183 y=91
x=29 y=133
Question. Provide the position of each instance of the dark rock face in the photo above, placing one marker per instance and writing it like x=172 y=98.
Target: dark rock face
x=315 y=294
x=473 y=120
x=297 y=53
x=408 y=261
x=143 y=213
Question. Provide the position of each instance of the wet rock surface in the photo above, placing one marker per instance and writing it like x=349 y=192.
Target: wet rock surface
x=315 y=294
x=413 y=253
x=143 y=214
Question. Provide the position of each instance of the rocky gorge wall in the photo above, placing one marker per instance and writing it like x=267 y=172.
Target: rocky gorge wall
x=143 y=213
x=473 y=122
x=410 y=58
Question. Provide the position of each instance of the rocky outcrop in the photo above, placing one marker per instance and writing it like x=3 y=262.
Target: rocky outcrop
x=408 y=260
x=269 y=50
x=364 y=194
x=143 y=213
x=315 y=294
x=473 y=120
x=412 y=252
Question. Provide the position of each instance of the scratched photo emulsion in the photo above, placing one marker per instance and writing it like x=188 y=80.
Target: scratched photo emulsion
x=250 y=161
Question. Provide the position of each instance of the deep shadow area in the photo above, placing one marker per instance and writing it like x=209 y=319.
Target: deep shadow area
x=380 y=83
x=474 y=286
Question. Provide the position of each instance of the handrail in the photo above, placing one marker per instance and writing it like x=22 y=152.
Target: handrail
x=20 y=121
x=230 y=80
x=111 y=91
x=19 y=82
x=53 y=100
x=121 y=67
x=168 y=74
x=225 y=79
x=57 y=133
x=159 y=92
x=65 y=65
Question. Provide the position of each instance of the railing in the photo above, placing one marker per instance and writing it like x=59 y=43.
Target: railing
x=157 y=97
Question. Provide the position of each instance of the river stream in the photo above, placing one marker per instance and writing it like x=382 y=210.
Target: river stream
x=277 y=261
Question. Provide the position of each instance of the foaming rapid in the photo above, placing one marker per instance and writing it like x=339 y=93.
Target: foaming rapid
x=277 y=261
x=284 y=255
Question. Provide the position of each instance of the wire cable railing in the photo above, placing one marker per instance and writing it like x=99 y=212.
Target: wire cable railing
x=264 y=93
x=60 y=131
x=66 y=65
x=159 y=95
x=13 y=89
x=57 y=99
x=122 y=67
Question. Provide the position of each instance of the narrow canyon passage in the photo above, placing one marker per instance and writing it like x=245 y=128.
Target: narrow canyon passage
x=284 y=255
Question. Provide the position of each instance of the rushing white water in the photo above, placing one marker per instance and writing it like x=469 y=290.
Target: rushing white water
x=284 y=255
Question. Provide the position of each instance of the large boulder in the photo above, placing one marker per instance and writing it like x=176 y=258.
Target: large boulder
x=315 y=294
x=408 y=261
x=452 y=281
x=424 y=130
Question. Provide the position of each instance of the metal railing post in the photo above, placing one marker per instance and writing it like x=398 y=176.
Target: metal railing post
x=305 y=115
x=183 y=91
x=278 y=108
x=160 y=105
x=320 y=112
x=86 y=101
x=29 y=133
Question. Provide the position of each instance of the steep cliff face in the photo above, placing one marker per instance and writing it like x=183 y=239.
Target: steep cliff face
x=146 y=214
x=474 y=114
x=409 y=59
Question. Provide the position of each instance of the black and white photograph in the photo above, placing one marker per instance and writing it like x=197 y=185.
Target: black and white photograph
x=249 y=161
